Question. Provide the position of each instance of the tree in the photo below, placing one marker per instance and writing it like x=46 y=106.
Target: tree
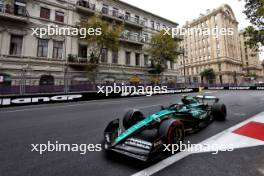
x=162 y=48
x=108 y=38
x=251 y=74
x=254 y=10
x=208 y=74
x=254 y=37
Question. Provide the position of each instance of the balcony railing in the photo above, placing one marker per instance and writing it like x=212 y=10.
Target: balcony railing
x=122 y=17
x=87 y=5
x=134 y=20
x=78 y=59
x=133 y=37
x=112 y=13
x=11 y=10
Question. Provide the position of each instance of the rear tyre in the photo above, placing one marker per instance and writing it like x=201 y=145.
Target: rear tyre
x=132 y=117
x=172 y=130
x=219 y=111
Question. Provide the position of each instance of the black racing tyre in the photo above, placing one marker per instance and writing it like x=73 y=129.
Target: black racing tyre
x=219 y=111
x=172 y=130
x=132 y=117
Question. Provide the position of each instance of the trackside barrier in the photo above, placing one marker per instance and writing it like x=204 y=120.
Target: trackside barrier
x=84 y=96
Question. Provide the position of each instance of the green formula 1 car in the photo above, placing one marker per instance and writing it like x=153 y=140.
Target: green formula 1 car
x=144 y=137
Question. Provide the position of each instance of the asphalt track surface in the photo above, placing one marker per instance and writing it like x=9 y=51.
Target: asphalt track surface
x=84 y=122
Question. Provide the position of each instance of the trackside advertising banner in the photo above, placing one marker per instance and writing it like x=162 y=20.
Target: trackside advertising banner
x=57 y=98
x=86 y=96
x=236 y=88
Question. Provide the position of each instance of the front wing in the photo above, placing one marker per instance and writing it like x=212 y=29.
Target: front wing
x=131 y=146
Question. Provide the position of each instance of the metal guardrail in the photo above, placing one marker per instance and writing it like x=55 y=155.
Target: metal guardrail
x=89 y=87
x=38 y=89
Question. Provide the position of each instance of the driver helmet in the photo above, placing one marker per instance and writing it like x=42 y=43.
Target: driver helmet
x=187 y=100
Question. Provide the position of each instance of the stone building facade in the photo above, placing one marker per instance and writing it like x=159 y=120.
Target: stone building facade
x=28 y=59
x=250 y=57
x=219 y=52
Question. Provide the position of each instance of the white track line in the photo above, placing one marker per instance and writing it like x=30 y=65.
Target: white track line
x=261 y=170
x=222 y=136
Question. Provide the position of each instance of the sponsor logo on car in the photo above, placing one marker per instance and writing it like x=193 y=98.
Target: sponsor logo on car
x=157 y=143
x=138 y=143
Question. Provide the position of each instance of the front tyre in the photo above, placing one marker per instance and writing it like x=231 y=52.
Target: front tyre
x=172 y=130
x=219 y=111
x=131 y=118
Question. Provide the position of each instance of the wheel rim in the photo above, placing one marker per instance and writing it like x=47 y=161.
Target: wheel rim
x=175 y=135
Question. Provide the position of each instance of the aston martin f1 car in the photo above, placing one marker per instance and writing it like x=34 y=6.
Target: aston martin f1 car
x=143 y=137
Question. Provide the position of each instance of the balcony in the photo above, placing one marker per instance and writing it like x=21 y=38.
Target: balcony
x=14 y=13
x=112 y=14
x=85 y=7
x=134 y=22
x=115 y=15
x=77 y=60
x=133 y=38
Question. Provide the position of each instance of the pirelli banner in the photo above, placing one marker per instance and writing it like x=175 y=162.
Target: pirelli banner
x=86 y=96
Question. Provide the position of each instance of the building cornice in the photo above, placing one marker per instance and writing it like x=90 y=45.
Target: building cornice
x=147 y=12
x=209 y=15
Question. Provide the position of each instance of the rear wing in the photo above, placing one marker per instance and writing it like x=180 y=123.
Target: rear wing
x=207 y=97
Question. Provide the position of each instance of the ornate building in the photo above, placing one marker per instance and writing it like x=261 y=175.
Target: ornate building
x=251 y=62
x=26 y=59
x=219 y=52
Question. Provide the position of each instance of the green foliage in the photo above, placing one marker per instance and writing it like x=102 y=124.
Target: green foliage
x=254 y=38
x=9 y=1
x=162 y=49
x=251 y=74
x=254 y=10
x=209 y=74
x=109 y=37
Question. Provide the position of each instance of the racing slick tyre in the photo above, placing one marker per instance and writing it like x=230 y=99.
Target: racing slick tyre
x=219 y=111
x=172 y=130
x=132 y=117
